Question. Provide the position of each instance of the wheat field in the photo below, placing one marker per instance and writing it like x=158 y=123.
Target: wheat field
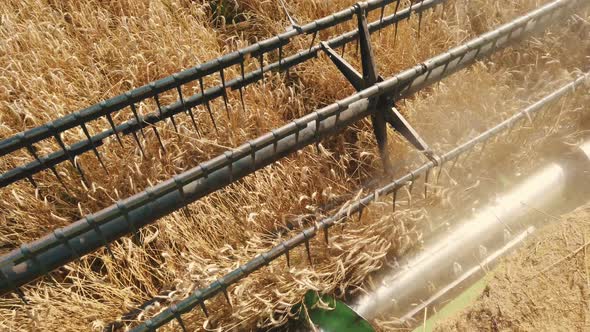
x=61 y=56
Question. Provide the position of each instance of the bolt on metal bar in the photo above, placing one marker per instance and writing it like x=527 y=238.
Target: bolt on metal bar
x=256 y=154
x=206 y=95
x=200 y=295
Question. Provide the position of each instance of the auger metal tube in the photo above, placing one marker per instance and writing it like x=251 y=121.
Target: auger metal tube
x=133 y=125
x=88 y=234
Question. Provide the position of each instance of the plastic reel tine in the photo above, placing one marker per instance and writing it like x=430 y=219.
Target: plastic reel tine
x=476 y=53
x=419 y=24
x=426 y=183
x=21 y=295
x=308 y=250
x=188 y=110
x=91 y=222
x=185 y=108
x=207 y=105
x=59 y=178
x=394 y=199
x=287 y=257
x=78 y=167
x=420 y=17
x=225 y=101
x=204 y=171
x=396 y=24
x=241 y=100
x=281 y=55
x=313 y=38
x=134 y=110
x=161 y=114
x=326 y=235
x=134 y=134
x=31 y=150
x=343 y=50
x=298 y=129
x=440 y=170
x=112 y=124
x=174 y=124
x=226 y=295
x=410 y=198
x=87 y=134
x=177 y=315
x=139 y=124
x=361 y=209
x=204 y=308
x=199 y=295
x=181 y=323
x=159 y=138
x=67 y=153
x=397 y=3
x=253 y=154
x=242 y=72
